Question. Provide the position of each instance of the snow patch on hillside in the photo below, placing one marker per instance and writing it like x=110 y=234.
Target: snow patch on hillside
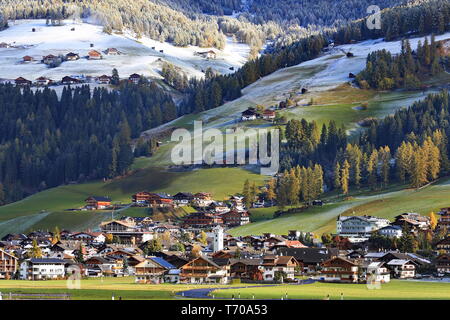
x=138 y=55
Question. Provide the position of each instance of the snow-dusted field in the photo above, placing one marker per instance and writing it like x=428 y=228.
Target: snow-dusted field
x=138 y=55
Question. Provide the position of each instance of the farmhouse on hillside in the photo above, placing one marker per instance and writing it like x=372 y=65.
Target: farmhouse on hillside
x=22 y=82
x=72 y=56
x=94 y=55
x=112 y=52
x=134 y=78
x=249 y=114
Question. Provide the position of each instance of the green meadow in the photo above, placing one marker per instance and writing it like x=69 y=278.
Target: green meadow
x=394 y=290
x=46 y=209
x=387 y=204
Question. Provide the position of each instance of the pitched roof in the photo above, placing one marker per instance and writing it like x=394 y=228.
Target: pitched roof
x=162 y=262
x=398 y=262
x=99 y=198
x=47 y=260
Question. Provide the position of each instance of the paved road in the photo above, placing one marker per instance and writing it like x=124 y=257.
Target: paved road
x=203 y=293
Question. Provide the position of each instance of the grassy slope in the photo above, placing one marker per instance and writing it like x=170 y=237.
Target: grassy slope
x=98 y=289
x=396 y=289
x=322 y=219
x=220 y=181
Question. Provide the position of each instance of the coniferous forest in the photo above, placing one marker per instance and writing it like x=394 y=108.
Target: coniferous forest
x=406 y=70
x=409 y=147
x=46 y=141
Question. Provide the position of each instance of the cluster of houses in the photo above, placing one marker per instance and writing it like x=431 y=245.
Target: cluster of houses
x=253 y=114
x=55 y=60
x=69 y=80
x=360 y=228
x=197 y=249
x=52 y=60
x=252 y=259
x=209 y=212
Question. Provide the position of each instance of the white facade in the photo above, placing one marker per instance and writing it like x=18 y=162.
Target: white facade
x=359 y=225
x=391 y=231
x=40 y=269
x=218 y=238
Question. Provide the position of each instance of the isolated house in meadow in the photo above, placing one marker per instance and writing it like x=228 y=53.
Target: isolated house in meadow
x=72 y=56
x=268 y=114
x=43 y=81
x=27 y=59
x=235 y=218
x=210 y=54
x=152 y=270
x=94 y=55
x=69 y=80
x=154 y=199
x=249 y=114
x=22 y=82
x=112 y=52
x=50 y=59
x=391 y=231
x=273 y=264
x=104 y=79
x=183 y=198
x=134 y=78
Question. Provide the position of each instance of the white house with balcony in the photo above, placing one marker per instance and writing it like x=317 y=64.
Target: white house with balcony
x=402 y=268
x=42 y=269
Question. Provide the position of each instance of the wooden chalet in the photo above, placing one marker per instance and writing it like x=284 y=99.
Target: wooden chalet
x=340 y=269
x=444 y=245
x=8 y=265
x=443 y=264
x=204 y=270
x=153 y=199
x=72 y=56
x=96 y=202
x=268 y=114
x=235 y=218
x=49 y=59
x=202 y=219
x=104 y=79
x=22 y=82
x=94 y=55
x=249 y=269
x=444 y=219
x=27 y=59
x=152 y=270
x=69 y=80
x=43 y=81
x=112 y=52
x=126 y=232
